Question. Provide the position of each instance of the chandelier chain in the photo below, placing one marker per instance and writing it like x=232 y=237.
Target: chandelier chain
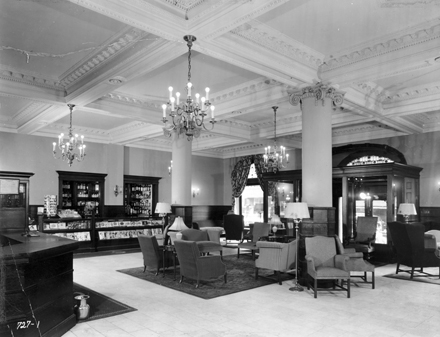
x=189 y=61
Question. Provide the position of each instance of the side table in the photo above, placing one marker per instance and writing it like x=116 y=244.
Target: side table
x=167 y=249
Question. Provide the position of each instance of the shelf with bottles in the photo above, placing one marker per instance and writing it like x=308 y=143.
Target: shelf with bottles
x=140 y=194
x=81 y=191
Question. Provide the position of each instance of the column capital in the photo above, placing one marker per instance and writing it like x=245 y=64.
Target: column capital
x=320 y=91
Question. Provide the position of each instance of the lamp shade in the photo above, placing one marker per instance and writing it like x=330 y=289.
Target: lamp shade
x=275 y=220
x=163 y=208
x=178 y=225
x=297 y=210
x=407 y=209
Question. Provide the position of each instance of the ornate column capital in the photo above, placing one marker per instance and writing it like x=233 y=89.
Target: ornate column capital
x=320 y=91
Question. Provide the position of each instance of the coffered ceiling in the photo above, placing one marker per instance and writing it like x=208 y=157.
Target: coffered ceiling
x=115 y=59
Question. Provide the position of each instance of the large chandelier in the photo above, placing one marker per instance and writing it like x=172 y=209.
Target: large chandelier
x=274 y=157
x=73 y=143
x=188 y=116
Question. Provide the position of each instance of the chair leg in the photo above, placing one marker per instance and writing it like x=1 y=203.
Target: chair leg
x=412 y=272
x=397 y=268
x=181 y=279
x=372 y=281
x=226 y=278
x=315 y=288
x=238 y=253
x=145 y=267
x=279 y=277
x=348 y=288
x=256 y=273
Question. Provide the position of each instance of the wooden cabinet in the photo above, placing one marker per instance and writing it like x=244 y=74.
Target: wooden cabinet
x=14 y=199
x=140 y=195
x=81 y=191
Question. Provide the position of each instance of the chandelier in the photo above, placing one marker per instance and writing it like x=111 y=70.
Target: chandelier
x=188 y=116
x=274 y=157
x=68 y=149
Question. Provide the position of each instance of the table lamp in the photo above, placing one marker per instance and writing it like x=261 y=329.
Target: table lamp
x=297 y=211
x=275 y=221
x=406 y=210
x=163 y=208
x=178 y=225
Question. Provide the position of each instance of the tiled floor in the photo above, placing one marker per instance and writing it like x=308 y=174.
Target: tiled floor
x=394 y=308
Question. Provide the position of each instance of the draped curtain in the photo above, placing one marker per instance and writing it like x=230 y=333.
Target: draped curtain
x=240 y=175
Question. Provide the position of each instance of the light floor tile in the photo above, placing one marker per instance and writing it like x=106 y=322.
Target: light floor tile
x=394 y=309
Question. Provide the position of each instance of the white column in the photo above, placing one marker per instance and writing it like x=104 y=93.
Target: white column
x=317 y=104
x=182 y=170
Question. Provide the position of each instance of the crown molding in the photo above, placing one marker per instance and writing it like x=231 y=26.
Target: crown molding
x=407 y=38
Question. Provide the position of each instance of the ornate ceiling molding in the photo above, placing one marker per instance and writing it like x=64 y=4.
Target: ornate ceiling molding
x=30 y=111
x=251 y=13
x=413 y=93
x=15 y=76
x=78 y=129
x=400 y=40
x=115 y=47
x=406 y=3
x=265 y=36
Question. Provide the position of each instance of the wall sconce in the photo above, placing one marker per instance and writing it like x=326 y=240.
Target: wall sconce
x=170 y=168
x=117 y=190
x=439 y=186
x=195 y=192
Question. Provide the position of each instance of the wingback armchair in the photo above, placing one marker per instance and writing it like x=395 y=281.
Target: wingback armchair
x=323 y=263
x=365 y=235
x=202 y=240
x=413 y=247
x=276 y=256
x=233 y=225
x=152 y=253
x=259 y=229
x=195 y=266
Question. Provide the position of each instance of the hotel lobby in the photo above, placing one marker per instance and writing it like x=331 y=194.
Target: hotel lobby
x=335 y=104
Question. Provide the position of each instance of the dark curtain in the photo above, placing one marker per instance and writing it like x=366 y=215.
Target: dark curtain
x=240 y=174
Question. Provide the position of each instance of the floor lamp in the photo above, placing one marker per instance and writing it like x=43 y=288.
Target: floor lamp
x=297 y=211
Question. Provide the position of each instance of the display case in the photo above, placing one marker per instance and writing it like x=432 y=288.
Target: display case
x=72 y=228
x=96 y=234
x=83 y=192
x=122 y=233
x=140 y=195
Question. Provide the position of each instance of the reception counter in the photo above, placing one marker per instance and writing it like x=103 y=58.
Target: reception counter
x=36 y=285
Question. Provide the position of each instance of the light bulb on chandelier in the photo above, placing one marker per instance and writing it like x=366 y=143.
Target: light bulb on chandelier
x=273 y=159
x=72 y=144
x=188 y=116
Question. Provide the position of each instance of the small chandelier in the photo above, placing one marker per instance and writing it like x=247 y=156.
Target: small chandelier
x=188 y=116
x=273 y=160
x=68 y=148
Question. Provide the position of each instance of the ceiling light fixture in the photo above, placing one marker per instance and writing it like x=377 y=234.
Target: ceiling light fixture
x=188 y=116
x=68 y=148
x=273 y=160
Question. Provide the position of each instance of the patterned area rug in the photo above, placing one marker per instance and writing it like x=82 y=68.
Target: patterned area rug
x=240 y=277
x=433 y=278
x=101 y=306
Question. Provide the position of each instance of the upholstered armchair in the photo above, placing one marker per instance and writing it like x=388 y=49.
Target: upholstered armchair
x=356 y=263
x=202 y=240
x=276 y=256
x=323 y=263
x=233 y=225
x=152 y=253
x=195 y=266
x=260 y=229
x=365 y=235
x=413 y=247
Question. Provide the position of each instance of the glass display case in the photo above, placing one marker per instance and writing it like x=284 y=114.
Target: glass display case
x=140 y=195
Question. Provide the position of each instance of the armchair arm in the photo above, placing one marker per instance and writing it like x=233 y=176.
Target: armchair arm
x=210 y=266
x=350 y=253
x=268 y=244
x=430 y=242
x=341 y=261
x=310 y=263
